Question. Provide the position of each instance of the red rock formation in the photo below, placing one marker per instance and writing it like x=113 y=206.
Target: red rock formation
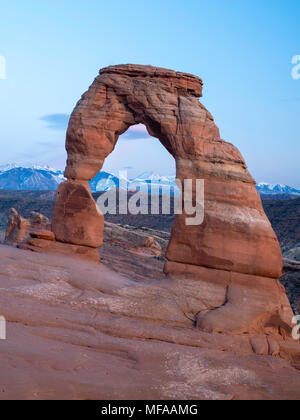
x=81 y=331
x=235 y=242
x=48 y=235
x=49 y=246
x=218 y=327
x=19 y=229
x=236 y=235
x=153 y=245
x=76 y=218
x=234 y=248
x=16 y=229
x=34 y=234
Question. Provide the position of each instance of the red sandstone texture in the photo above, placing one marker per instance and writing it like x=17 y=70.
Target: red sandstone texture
x=235 y=242
x=78 y=330
x=217 y=326
x=236 y=235
x=19 y=229
x=76 y=218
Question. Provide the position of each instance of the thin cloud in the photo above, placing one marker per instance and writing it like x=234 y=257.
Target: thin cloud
x=56 y=121
x=135 y=132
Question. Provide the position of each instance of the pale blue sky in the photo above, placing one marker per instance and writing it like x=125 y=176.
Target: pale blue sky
x=242 y=49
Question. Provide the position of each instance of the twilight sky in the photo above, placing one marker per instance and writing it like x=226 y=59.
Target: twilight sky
x=241 y=49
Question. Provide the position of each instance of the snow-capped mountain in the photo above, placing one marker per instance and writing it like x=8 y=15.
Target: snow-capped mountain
x=158 y=183
x=144 y=180
x=104 y=181
x=152 y=177
x=14 y=177
x=276 y=189
x=7 y=167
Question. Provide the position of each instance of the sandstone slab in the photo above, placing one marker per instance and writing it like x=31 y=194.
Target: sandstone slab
x=45 y=245
x=43 y=234
x=77 y=330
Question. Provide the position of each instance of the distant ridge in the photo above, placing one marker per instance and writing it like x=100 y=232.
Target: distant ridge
x=30 y=178
x=37 y=178
x=276 y=189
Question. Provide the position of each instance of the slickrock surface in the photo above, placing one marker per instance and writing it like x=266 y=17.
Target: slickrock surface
x=219 y=318
x=78 y=330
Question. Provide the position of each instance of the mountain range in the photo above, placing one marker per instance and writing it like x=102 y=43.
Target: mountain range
x=32 y=178
x=38 y=178
x=276 y=189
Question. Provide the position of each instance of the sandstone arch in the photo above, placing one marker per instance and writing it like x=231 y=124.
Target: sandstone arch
x=236 y=234
x=235 y=245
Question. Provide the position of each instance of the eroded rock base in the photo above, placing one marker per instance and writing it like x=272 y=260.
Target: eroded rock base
x=76 y=330
x=60 y=248
x=34 y=234
x=239 y=303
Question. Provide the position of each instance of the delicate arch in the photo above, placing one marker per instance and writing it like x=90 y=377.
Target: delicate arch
x=236 y=235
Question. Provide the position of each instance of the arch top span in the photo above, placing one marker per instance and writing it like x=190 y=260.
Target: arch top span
x=165 y=101
x=188 y=82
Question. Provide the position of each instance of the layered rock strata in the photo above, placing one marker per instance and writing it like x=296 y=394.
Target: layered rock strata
x=235 y=242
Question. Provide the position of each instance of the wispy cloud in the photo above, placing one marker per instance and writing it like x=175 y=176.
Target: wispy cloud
x=56 y=121
x=138 y=131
